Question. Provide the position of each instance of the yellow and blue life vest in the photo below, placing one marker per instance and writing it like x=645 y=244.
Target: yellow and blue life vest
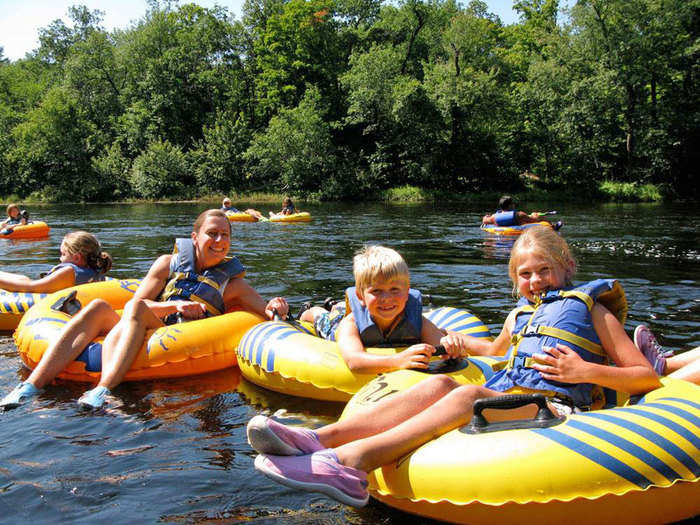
x=558 y=317
x=506 y=218
x=82 y=274
x=406 y=332
x=185 y=284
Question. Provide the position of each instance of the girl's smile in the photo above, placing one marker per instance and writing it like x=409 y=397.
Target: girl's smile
x=537 y=274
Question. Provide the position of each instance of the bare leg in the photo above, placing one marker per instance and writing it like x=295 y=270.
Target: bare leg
x=451 y=411
x=254 y=213
x=311 y=314
x=96 y=319
x=685 y=366
x=387 y=413
x=123 y=343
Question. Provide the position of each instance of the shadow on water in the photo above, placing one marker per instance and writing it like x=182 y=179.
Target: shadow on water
x=175 y=450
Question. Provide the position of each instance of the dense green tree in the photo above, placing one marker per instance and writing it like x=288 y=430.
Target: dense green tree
x=52 y=149
x=218 y=161
x=295 y=153
x=162 y=171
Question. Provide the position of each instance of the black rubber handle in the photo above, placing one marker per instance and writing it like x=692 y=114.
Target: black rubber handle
x=440 y=350
x=68 y=304
x=506 y=402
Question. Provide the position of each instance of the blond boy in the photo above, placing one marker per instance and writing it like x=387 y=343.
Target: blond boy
x=384 y=311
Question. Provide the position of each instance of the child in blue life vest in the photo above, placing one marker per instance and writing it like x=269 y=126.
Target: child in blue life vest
x=507 y=215
x=384 y=311
x=288 y=208
x=539 y=335
x=196 y=280
x=82 y=261
x=227 y=207
x=14 y=218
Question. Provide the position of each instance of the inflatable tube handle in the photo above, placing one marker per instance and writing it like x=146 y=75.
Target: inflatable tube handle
x=440 y=350
x=543 y=418
x=68 y=304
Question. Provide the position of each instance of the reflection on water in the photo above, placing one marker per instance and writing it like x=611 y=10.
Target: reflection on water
x=175 y=450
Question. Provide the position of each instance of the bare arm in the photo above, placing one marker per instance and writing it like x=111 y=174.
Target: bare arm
x=58 y=280
x=359 y=361
x=242 y=295
x=154 y=282
x=461 y=345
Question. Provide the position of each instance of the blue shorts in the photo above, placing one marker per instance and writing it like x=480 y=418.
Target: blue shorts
x=92 y=357
x=326 y=324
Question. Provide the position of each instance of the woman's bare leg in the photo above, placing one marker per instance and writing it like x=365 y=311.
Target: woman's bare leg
x=96 y=319
x=121 y=345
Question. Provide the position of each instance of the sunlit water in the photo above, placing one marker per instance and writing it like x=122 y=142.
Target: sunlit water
x=175 y=450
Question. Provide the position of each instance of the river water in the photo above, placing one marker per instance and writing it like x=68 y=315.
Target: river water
x=175 y=450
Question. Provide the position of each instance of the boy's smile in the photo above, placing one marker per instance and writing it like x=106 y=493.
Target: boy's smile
x=385 y=300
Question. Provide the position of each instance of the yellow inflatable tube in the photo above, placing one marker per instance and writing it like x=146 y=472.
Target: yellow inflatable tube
x=303 y=216
x=290 y=358
x=178 y=350
x=33 y=230
x=241 y=217
x=13 y=306
x=635 y=464
x=512 y=230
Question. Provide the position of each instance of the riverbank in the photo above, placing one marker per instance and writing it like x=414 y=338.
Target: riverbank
x=606 y=192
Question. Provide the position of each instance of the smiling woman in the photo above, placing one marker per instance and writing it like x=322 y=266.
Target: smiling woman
x=195 y=281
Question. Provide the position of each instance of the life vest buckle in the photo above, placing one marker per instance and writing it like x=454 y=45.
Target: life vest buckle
x=517 y=361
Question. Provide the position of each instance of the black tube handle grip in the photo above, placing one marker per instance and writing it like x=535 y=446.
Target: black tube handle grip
x=506 y=402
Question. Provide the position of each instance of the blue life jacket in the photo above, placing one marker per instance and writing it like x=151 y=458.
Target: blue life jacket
x=406 y=332
x=12 y=220
x=230 y=209
x=185 y=284
x=558 y=317
x=506 y=218
x=82 y=274
x=289 y=210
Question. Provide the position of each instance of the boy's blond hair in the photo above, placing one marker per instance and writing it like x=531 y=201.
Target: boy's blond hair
x=11 y=207
x=373 y=262
x=545 y=242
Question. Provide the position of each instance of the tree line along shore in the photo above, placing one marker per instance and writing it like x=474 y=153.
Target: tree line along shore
x=347 y=99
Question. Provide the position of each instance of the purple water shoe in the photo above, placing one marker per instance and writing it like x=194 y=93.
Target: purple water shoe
x=317 y=472
x=267 y=436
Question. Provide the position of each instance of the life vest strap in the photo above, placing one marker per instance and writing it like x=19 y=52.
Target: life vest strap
x=583 y=297
x=564 y=335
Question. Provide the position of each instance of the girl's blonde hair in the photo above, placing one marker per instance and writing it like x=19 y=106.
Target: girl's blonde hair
x=10 y=207
x=544 y=242
x=89 y=247
x=373 y=262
